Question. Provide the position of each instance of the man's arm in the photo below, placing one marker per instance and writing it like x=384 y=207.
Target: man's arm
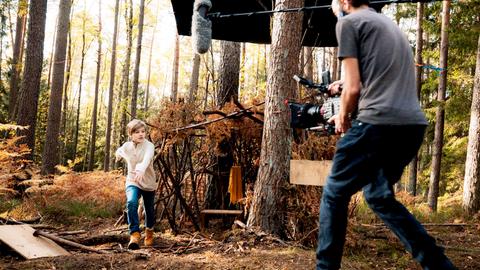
x=350 y=94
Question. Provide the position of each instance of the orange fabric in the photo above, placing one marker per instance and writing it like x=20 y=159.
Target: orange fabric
x=235 y=187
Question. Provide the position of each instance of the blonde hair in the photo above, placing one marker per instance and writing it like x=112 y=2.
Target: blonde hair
x=135 y=124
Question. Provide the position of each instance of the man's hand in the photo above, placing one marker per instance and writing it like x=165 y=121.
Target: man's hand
x=342 y=123
x=138 y=177
x=335 y=88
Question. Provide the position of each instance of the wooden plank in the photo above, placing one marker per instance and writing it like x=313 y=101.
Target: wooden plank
x=221 y=212
x=20 y=238
x=309 y=172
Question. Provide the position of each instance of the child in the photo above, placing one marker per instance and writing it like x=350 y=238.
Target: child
x=138 y=153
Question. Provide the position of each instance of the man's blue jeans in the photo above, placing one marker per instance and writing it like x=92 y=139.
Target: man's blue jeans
x=133 y=195
x=373 y=157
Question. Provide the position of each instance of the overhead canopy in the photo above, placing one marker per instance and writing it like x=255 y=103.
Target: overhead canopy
x=318 y=24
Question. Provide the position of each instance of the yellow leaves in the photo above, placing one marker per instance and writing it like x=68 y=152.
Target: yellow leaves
x=6 y=127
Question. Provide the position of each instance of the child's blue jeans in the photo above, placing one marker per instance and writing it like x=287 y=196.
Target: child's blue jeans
x=373 y=157
x=133 y=195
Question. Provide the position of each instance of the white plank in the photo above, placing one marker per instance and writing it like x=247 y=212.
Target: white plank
x=21 y=239
x=309 y=172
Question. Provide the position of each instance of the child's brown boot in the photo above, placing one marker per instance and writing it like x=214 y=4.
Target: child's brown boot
x=148 y=237
x=134 y=241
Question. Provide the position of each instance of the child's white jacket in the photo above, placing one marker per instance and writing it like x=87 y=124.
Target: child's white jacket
x=139 y=158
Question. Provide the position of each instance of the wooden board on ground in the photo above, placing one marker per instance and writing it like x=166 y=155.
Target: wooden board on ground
x=21 y=239
x=309 y=172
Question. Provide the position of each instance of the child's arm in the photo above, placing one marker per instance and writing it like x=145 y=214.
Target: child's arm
x=120 y=153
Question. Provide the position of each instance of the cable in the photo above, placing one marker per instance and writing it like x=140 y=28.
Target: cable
x=219 y=15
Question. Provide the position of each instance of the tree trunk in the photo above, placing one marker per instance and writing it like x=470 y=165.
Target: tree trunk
x=228 y=80
x=471 y=184
x=268 y=204
x=63 y=128
x=80 y=86
x=108 y=137
x=229 y=72
x=124 y=84
x=17 y=56
x=30 y=90
x=50 y=157
x=91 y=160
x=152 y=43
x=308 y=59
x=440 y=114
x=335 y=68
x=138 y=58
x=194 y=79
x=412 y=178
x=51 y=61
x=176 y=53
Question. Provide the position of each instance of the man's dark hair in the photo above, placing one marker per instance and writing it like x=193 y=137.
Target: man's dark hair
x=357 y=3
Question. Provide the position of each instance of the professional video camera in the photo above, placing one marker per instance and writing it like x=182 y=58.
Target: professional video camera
x=315 y=116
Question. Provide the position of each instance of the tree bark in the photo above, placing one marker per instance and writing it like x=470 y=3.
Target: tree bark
x=124 y=84
x=194 y=79
x=63 y=128
x=230 y=68
x=80 y=86
x=471 y=184
x=413 y=168
x=91 y=160
x=176 y=53
x=440 y=113
x=50 y=157
x=30 y=90
x=138 y=57
x=268 y=204
x=108 y=137
x=17 y=56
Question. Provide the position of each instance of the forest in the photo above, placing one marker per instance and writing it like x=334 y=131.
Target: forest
x=75 y=73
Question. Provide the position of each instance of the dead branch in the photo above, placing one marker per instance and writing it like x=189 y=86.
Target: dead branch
x=67 y=242
x=230 y=115
x=72 y=232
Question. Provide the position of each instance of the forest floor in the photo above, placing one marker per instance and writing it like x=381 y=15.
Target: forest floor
x=367 y=247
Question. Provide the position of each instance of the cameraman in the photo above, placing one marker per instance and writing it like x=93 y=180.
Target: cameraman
x=379 y=86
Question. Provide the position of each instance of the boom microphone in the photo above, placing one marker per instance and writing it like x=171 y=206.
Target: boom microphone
x=201 y=26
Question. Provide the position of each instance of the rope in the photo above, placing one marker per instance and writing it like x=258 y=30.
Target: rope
x=219 y=15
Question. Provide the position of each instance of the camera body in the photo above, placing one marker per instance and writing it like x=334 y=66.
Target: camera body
x=315 y=116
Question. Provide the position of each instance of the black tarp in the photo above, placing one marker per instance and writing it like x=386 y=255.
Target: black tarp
x=318 y=25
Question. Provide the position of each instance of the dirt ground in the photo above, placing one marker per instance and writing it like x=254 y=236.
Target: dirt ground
x=367 y=247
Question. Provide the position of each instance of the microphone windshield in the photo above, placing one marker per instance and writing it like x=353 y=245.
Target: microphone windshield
x=201 y=26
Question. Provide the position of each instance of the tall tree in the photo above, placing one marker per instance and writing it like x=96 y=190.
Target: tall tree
x=80 y=82
x=228 y=81
x=471 y=184
x=63 y=128
x=50 y=156
x=229 y=71
x=149 y=72
x=138 y=58
x=194 y=79
x=433 y=189
x=17 y=55
x=308 y=59
x=124 y=84
x=30 y=90
x=91 y=160
x=106 y=163
x=176 y=59
x=268 y=203
x=412 y=178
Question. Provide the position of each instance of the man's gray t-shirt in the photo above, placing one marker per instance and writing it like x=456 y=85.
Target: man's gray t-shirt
x=388 y=95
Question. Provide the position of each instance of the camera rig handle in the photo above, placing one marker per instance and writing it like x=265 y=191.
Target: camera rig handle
x=320 y=87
